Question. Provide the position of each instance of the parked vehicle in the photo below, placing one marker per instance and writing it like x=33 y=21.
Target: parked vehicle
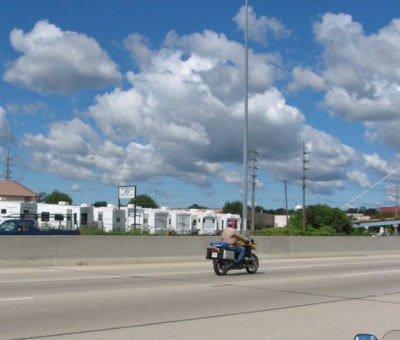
x=224 y=258
x=29 y=227
x=391 y=335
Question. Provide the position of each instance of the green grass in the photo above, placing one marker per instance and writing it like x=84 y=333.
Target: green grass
x=290 y=231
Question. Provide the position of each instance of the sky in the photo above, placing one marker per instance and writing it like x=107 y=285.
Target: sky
x=100 y=94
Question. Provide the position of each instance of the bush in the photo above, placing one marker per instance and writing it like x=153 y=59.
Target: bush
x=293 y=231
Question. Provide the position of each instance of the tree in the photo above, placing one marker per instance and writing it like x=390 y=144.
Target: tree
x=41 y=197
x=196 y=206
x=323 y=216
x=100 y=204
x=144 y=201
x=234 y=207
x=57 y=196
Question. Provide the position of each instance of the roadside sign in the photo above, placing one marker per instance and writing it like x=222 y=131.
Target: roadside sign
x=127 y=191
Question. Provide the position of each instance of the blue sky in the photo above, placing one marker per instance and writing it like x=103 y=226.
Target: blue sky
x=96 y=94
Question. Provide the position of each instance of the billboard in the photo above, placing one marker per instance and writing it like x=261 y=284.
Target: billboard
x=127 y=191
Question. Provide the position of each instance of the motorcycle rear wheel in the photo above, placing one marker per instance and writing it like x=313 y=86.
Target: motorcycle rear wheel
x=252 y=267
x=220 y=267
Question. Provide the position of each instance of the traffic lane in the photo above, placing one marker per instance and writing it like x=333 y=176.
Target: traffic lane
x=205 y=266
x=117 y=301
x=74 y=310
x=332 y=321
x=319 y=320
x=280 y=274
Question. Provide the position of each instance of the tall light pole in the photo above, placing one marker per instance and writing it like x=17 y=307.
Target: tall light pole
x=246 y=124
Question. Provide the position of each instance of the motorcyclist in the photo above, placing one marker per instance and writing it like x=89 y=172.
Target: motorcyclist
x=231 y=236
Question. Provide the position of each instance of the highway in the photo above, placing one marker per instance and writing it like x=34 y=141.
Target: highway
x=318 y=298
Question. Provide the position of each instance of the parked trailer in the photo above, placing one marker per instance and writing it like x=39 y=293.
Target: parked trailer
x=110 y=218
x=155 y=221
x=180 y=222
x=224 y=219
x=132 y=222
x=14 y=209
x=206 y=222
x=61 y=215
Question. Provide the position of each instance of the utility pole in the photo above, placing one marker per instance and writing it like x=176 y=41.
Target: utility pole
x=8 y=166
x=254 y=190
x=304 y=185
x=286 y=203
x=246 y=124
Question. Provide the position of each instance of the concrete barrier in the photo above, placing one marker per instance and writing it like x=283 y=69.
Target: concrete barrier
x=26 y=251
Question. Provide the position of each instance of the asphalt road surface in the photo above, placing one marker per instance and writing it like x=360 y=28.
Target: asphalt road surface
x=321 y=298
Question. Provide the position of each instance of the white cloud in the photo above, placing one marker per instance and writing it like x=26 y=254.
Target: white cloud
x=75 y=187
x=376 y=164
x=56 y=61
x=304 y=78
x=361 y=74
x=360 y=178
x=29 y=109
x=259 y=28
x=65 y=137
x=182 y=117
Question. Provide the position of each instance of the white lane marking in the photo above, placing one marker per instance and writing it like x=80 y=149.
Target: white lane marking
x=373 y=273
x=17 y=299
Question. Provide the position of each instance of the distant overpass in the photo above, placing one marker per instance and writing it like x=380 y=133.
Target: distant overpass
x=377 y=223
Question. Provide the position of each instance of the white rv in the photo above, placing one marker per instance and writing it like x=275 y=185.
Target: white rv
x=207 y=222
x=155 y=221
x=14 y=209
x=224 y=219
x=132 y=221
x=110 y=218
x=57 y=215
x=180 y=222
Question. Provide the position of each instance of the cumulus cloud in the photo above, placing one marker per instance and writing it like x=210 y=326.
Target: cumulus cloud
x=361 y=73
x=360 y=178
x=182 y=116
x=305 y=77
x=258 y=29
x=56 y=61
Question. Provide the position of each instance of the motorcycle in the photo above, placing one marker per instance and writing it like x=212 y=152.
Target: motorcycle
x=224 y=258
x=391 y=335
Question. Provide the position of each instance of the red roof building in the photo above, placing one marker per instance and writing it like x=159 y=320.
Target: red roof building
x=390 y=209
x=14 y=191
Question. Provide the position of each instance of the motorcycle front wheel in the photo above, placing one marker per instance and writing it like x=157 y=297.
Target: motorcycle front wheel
x=220 y=267
x=252 y=267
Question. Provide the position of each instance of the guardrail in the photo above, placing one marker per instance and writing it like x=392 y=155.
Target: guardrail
x=26 y=251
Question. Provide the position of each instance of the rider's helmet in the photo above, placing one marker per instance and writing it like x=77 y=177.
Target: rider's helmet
x=232 y=223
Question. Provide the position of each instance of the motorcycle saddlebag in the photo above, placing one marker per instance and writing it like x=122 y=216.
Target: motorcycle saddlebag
x=208 y=254
x=228 y=254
